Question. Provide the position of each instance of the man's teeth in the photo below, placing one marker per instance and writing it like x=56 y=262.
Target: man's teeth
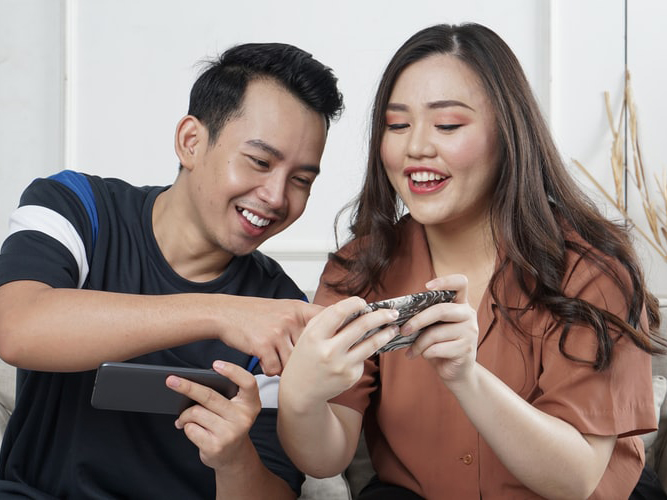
x=425 y=176
x=254 y=219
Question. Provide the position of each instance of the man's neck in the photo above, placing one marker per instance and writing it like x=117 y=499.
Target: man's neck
x=182 y=246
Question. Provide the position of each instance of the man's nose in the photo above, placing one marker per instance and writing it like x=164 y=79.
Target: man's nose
x=272 y=191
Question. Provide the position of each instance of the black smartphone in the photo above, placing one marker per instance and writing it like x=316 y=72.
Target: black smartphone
x=142 y=388
x=407 y=306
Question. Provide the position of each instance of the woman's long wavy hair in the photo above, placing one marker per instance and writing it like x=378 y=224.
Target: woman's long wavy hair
x=536 y=200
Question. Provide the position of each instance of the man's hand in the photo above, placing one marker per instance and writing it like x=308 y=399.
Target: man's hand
x=268 y=329
x=216 y=425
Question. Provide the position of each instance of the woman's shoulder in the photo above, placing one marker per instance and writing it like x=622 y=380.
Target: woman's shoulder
x=586 y=264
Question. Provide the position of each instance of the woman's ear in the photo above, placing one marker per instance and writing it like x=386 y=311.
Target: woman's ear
x=188 y=140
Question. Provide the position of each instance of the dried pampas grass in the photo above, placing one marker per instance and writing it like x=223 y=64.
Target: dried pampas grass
x=655 y=212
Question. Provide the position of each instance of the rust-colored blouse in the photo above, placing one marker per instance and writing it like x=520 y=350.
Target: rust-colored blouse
x=420 y=438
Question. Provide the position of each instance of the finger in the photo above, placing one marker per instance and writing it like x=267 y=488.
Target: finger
x=328 y=322
x=437 y=313
x=212 y=404
x=308 y=311
x=270 y=361
x=240 y=376
x=207 y=397
x=456 y=282
x=354 y=331
x=281 y=352
x=440 y=334
x=450 y=349
x=368 y=347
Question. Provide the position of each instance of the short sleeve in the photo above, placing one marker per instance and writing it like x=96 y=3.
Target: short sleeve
x=615 y=401
x=50 y=233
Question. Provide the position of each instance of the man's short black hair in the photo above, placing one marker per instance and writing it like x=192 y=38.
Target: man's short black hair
x=218 y=93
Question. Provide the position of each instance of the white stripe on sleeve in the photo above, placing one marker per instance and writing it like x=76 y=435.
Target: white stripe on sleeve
x=51 y=223
x=268 y=390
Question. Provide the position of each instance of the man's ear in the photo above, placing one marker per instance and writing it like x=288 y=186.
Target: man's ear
x=189 y=139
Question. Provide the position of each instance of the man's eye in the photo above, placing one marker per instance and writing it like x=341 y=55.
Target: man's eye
x=303 y=181
x=397 y=126
x=448 y=127
x=260 y=162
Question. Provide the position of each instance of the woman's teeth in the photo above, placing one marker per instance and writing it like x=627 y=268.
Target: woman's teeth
x=255 y=220
x=425 y=176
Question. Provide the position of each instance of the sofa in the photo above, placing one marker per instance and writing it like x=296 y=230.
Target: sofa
x=346 y=486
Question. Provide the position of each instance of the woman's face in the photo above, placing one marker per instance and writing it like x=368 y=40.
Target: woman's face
x=440 y=146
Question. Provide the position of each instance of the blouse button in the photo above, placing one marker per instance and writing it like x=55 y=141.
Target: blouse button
x=467 y=459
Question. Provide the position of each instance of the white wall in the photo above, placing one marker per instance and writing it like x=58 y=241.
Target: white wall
x=130 y=65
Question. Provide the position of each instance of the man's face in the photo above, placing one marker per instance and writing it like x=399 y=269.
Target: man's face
x=255 y=180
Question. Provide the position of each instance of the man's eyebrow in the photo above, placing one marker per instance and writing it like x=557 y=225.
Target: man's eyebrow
x=258 y=143
x=448 y=103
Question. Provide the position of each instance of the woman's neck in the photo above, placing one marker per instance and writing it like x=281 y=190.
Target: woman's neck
x=465 y=249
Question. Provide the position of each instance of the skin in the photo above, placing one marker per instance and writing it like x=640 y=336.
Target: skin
x=263 y=161
x=458 y=141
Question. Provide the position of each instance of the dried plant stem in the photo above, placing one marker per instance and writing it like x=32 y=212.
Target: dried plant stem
x=656 y=217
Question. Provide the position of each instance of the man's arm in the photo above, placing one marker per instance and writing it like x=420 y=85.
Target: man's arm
x=42 y=327
x=219 y=428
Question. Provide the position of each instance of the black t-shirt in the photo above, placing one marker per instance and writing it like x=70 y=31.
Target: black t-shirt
x=74 y=230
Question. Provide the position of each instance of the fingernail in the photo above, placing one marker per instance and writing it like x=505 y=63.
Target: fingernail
x=178 y=424
x=218 y=365
x=430 y=285
x=173 y=381
x=409 y=353
x=406 y=329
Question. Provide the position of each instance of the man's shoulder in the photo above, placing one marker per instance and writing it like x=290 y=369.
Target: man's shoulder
x=84 y=186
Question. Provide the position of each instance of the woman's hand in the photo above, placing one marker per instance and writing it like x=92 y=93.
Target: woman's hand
x=449 y=341
x=325 y=361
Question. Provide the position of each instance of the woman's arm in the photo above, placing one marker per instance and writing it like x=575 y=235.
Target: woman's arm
x=545 y=453
x=318 y=436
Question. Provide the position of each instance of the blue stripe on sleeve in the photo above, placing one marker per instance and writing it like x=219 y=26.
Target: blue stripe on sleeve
x=79 y=184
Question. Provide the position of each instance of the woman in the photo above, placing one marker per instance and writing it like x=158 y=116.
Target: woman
x=536 y=381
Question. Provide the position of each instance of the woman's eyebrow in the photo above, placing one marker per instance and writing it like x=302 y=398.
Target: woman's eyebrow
x=445 y=103
x=449 y=103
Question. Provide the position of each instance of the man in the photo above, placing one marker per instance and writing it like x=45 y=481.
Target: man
x=97 y=270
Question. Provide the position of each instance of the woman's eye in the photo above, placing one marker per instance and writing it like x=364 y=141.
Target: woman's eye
x=397 y=126
x=448 y=127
